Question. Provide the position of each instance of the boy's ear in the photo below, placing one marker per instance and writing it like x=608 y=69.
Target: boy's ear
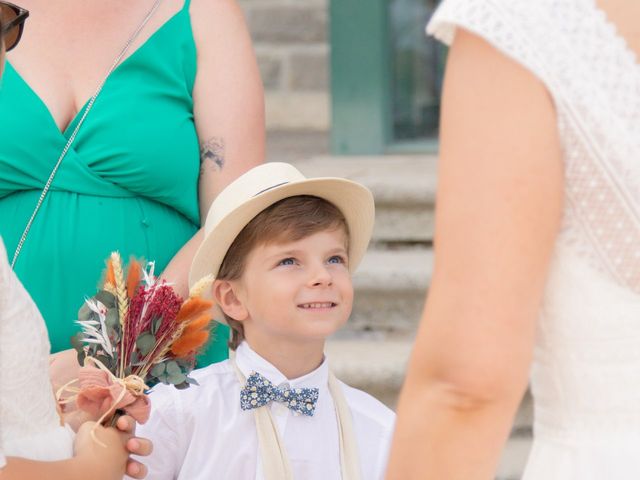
x=225 y=295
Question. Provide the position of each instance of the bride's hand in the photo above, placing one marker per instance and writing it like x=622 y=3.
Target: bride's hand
x=111 y=458
x=101 y=450
x=63 y=367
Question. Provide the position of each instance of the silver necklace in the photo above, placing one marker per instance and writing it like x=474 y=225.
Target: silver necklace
x=92 y=100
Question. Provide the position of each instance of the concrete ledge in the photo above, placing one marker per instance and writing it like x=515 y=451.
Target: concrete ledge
x=377 y=367
x=390 y=288
x=404 y=188
x=393 y=179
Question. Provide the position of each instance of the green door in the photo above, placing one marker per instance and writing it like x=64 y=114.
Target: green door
x=386 y=77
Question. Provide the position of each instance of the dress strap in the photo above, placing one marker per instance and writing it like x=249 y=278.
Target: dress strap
x=186 y=4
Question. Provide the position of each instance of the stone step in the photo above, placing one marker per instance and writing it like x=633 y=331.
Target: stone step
x=390 y=288
x=404 y=188
x=379 y=368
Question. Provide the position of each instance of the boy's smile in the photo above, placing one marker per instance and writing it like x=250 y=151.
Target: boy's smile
x=296 y=293
x=316 y=306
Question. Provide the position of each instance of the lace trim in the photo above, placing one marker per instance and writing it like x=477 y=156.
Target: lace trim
x=594 y=79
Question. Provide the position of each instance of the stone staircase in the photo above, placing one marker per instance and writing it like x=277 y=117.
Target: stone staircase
x=372 y=351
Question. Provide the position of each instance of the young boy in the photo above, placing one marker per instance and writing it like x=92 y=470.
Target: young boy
x=282 y=249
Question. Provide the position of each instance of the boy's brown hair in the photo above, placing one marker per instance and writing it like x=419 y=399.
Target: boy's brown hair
x=290 y=219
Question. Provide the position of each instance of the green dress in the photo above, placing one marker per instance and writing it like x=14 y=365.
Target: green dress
x=129 y=182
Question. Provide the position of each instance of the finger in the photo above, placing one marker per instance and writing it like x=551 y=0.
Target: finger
x=77 y=418
x=126 y=424
x=136 y=469
x=140 y=446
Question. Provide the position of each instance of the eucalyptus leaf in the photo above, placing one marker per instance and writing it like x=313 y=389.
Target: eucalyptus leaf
x=158 y=370
x=81 y=357
x=173 y=368
x=177 y=378
x=155 y=325
x=114 y=335
x=106 y=298
x=85 y=313
x=105 y=359
x=112 y=319
x=186 y=365
x=145 y=343
x=76 y=341
x=192 y=381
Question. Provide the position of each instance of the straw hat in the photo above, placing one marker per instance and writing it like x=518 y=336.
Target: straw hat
x=265 y=185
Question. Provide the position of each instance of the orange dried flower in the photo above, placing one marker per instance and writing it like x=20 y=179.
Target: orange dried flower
x=111 y=276
x=189 y=343
x=192 y=307
x=133 y=277
x=199 y=323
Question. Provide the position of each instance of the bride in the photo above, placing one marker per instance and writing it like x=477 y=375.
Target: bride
x=537 y=272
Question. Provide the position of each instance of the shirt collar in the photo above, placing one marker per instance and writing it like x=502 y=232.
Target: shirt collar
x=249 y=361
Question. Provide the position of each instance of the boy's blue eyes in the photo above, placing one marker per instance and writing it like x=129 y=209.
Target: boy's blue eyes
x=336 y=259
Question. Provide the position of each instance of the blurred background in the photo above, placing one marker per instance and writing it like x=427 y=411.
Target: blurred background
x=352 y=90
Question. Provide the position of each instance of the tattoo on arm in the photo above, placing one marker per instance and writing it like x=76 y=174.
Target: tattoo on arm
x=212 y=152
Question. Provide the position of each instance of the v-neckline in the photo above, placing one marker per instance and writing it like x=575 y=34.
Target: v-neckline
x=74 y=120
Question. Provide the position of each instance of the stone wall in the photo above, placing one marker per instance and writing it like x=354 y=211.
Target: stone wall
x=290 y=38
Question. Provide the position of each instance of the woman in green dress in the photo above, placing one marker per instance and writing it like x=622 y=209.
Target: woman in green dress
x=179 y=118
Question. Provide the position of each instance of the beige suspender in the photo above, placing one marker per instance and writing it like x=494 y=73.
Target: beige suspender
x=275 y=461
x=349 y=457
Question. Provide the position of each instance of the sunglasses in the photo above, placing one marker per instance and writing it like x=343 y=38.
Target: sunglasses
x=12 y=20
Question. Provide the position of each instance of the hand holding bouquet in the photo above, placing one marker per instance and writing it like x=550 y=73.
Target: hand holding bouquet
x=136 y=332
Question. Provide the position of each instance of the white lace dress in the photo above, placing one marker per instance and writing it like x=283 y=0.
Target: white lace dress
x=586 y=373
x=29 y=424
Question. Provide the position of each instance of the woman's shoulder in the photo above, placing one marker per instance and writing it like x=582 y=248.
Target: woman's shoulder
x=498 y=19
x=209 y=18
x=543 y=36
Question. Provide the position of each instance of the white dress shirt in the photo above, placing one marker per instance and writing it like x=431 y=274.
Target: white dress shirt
x=202 y=433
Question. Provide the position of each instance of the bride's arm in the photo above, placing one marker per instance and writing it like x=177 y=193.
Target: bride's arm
x=499 y=205
x=108 y=461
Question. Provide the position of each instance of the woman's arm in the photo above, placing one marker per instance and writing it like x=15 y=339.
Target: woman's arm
x=228 y=108
x=499 y=205
x=23 y=469
x=90 y=460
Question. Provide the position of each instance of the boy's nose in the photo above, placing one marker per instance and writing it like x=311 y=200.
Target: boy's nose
x=321 y=276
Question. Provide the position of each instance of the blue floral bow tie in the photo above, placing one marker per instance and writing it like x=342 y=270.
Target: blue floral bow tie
x=259 y=391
